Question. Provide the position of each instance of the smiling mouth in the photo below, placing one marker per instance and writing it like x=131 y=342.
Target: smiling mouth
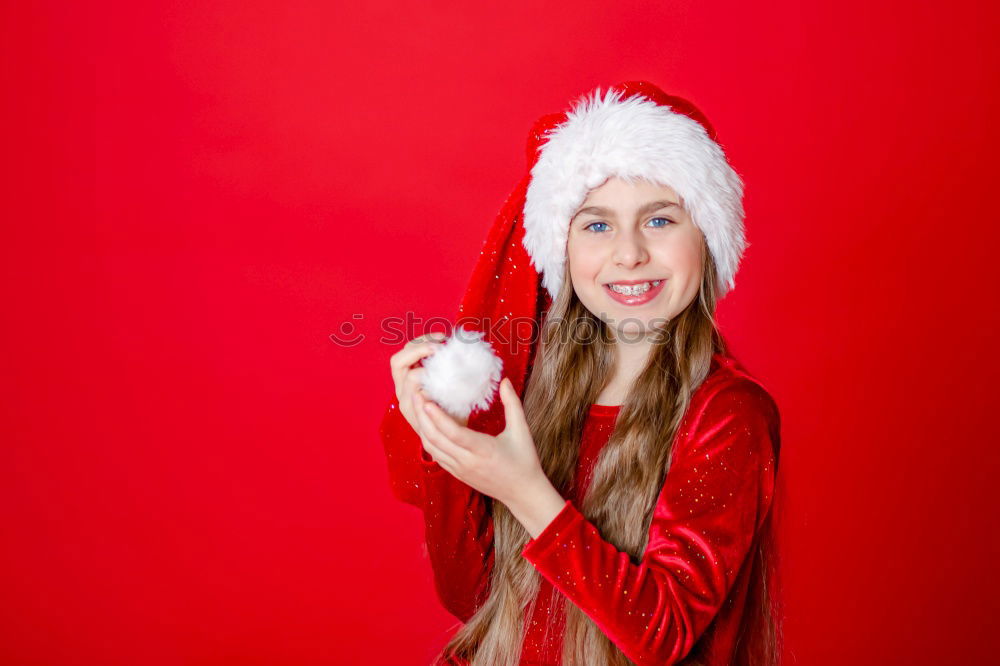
x=634 y=289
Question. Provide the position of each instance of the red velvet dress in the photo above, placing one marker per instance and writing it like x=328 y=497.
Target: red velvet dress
x=690 y=588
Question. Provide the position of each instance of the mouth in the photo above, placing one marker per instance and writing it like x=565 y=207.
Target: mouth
x=634 y=292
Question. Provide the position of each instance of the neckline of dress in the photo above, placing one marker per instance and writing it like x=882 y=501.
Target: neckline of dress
x=605 y=410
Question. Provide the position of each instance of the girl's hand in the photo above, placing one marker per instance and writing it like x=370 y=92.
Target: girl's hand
x=505 y=467
x=406 y=376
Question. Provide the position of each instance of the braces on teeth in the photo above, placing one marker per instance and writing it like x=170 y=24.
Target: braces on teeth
x=634 y=290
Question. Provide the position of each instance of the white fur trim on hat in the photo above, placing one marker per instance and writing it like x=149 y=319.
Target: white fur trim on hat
x=631 y=138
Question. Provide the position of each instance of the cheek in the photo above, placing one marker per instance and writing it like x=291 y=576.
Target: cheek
x=691 y=261
x=685 y=259
x=584 y=261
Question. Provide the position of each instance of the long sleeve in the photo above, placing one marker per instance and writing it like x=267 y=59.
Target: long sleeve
x=458 y=524
x=714 y=499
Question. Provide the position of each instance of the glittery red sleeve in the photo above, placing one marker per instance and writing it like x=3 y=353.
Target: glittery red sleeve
x=715 y=497
x=458 y=526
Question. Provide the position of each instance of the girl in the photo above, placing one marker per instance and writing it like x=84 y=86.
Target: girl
x=621 y=513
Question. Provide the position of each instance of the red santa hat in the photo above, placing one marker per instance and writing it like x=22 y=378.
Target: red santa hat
x=633 y=130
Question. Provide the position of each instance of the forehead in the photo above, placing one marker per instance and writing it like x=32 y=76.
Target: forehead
x=618 y=192
x=627 y=197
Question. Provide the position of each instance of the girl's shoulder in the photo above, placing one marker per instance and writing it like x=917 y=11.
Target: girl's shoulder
x=731 y=409
x=730 y=383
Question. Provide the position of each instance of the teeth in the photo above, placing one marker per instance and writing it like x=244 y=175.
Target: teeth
x=635 y=289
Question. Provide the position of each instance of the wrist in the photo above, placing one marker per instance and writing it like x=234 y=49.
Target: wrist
x=536 y=506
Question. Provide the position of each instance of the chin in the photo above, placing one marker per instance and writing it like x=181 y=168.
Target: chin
x=633 y=330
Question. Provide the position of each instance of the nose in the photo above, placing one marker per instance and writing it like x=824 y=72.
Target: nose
x=630 y=250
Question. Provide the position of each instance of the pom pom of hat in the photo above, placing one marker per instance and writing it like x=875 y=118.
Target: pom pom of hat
x=462 y=374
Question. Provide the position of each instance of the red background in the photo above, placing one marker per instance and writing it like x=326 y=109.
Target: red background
x=195 y=195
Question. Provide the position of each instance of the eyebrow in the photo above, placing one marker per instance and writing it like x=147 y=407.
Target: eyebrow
x=607 y=212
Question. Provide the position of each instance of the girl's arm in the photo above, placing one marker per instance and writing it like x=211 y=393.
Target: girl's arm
x=458 y=525
x=715 y=498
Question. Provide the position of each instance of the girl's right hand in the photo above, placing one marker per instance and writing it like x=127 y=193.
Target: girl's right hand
x=407 y=378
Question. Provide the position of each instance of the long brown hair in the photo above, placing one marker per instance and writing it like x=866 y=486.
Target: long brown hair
x=574 y=362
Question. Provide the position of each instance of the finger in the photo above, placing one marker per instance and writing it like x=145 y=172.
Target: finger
x=413 y=381
x=446 y=425
x=426 y=338
x=427 y=427
x=433 y=335
x=513 y=411
x=431 y=431
x=422 y=341
x=402 y=360
x=438 y=455
x=410 y=354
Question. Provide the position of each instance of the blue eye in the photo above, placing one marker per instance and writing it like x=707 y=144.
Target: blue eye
x=666 y=222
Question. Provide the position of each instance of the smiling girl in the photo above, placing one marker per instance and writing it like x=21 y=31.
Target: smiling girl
x=621 y=513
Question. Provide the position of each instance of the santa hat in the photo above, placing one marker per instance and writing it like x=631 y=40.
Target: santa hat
x=647 y=135
x=634 y=130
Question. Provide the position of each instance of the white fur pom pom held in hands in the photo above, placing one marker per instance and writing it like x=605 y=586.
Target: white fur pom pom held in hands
x=462 y=374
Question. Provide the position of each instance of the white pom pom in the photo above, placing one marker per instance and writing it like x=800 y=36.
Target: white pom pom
x=462 y=374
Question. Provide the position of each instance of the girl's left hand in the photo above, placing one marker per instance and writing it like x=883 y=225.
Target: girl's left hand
x=502 y=467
